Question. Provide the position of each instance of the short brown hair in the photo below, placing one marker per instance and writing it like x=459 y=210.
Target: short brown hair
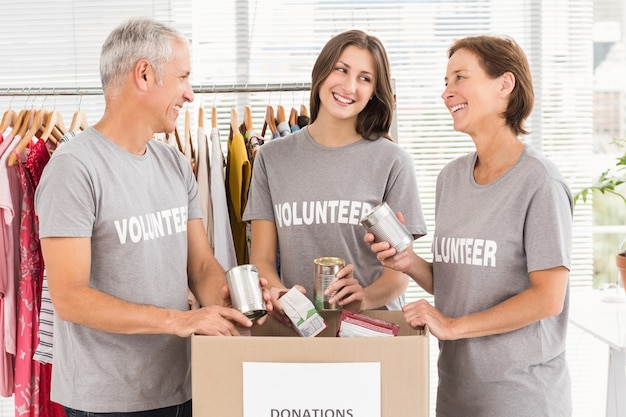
x=497 y=55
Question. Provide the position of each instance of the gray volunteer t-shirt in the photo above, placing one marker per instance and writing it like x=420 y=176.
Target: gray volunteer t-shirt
x=135 y=210
x=316 y=195
x=487 y=239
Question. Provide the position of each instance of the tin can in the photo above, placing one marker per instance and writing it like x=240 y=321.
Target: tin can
x=245 y=291
x=324 y=273
x=384 y=224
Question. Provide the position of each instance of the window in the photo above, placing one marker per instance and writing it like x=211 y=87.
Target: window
x=249 y=41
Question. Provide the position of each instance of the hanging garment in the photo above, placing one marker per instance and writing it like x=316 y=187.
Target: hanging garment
x=189 y=152
x=253 y=140
x=32 y=379
x=69 y=135
x=27 y=370
x=238 y=174
x=43 y=353
x=204 y=185
x=10 y=205
x=224 y=249
x=283 y=128
x=48 y=408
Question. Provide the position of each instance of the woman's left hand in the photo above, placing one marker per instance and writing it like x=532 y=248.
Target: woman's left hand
x=349 y=293
x=422 y=313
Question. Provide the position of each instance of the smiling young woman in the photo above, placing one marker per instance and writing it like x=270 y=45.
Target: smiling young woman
x=349 y=164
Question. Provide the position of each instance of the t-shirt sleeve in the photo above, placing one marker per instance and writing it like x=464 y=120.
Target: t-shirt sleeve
x=64 y=199
x=259 y=205
x=548 y=227
x=402 y=195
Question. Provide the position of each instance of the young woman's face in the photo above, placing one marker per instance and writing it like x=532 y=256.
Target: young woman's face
x=471 y=96
x=350 y=84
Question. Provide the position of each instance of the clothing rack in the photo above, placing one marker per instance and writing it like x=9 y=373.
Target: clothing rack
x=197 y=89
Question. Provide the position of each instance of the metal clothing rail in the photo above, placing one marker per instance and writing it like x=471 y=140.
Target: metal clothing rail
x=198 y=89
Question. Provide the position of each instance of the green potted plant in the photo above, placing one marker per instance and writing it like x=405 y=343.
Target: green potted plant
x=608 y=183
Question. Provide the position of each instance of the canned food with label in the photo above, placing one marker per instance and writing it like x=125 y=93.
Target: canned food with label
x=325 y=270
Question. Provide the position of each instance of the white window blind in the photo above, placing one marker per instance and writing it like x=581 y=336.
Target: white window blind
x=247 y=41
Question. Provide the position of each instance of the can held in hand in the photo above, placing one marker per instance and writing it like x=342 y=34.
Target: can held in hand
x=324 y=274
x=245 y=291
x=384 y=224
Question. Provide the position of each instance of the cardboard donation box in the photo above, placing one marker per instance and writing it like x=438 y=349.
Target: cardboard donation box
x=278 y=373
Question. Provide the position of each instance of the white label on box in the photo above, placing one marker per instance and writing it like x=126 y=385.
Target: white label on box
x=273 y=389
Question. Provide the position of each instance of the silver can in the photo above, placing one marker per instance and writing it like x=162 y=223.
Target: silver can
x=245 y=291
x=384 y=224
x=325 y=273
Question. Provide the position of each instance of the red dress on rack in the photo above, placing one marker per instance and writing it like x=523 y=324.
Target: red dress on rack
x=32 y=379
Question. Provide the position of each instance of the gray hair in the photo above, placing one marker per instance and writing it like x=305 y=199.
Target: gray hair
x=132 y=41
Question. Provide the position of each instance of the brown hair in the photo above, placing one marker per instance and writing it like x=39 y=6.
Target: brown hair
x=375 y=119
x=497 y=55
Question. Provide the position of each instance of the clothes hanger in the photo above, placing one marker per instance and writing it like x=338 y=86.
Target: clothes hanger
x=234 y=125
x=188 y=142
x=280 y=114
x=79 y=121
x=178 y=142
x=269 y=121
x=303 y=110
x=303 y=119
x=53 y=128
x=293 y=117
x=24 y=119
x=8 y=120
x=201 y=116
x=40 y=116
x=214 y=117
x=247 y=119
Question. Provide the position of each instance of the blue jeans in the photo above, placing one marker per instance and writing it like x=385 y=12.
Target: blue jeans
x=182 y=410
